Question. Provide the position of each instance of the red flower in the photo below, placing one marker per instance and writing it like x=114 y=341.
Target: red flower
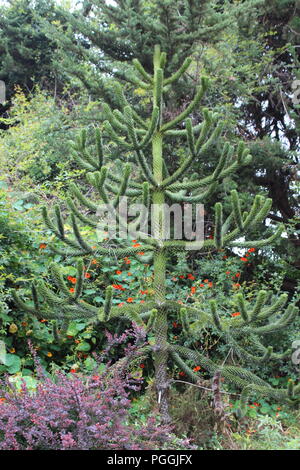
x=236 y=314
x=141 y=253
x=142 y=366
x=136 y=245
x=43 y=246
x=72 y=290
x=175 y=324
x=73 y=371
x=190 y=276
x=243 y=259
x=182 y=276
x=227 y=272
x=130 y=299
x=196 y=368
x=251 y=250
x=87 y=275
x=201 y=285
x=120 y=305
x=182 y=374
x=210 y=284
x=118 y=272
x=193 y=289
x=118 y=287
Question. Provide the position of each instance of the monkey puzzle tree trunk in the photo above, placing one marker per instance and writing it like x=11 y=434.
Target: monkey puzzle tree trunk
x=158 y=220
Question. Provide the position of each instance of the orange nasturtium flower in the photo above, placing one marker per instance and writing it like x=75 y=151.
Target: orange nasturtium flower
x=251 y=250
x=43 y=246
x=190 y=276
x=196 y=368
x=130 y=299
x=118 y=287
x=87 y=275
x=136 y=245
x=193 y=289
x=94 y=261
x=49 y=354
x=118 y=272
x=72 y=290
x=237 y=285
x=236 y=314
x=141 y=253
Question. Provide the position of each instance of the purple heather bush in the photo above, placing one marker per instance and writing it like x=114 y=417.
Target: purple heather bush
x=79 y=412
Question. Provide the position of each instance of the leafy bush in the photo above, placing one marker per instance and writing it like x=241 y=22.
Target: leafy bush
x=71 y=412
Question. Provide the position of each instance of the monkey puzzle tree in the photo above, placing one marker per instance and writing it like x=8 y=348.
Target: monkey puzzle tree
x=155 y=187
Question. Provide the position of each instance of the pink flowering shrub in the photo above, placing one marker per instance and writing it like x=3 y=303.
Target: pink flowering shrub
x=78 y=412
x=72 y=412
